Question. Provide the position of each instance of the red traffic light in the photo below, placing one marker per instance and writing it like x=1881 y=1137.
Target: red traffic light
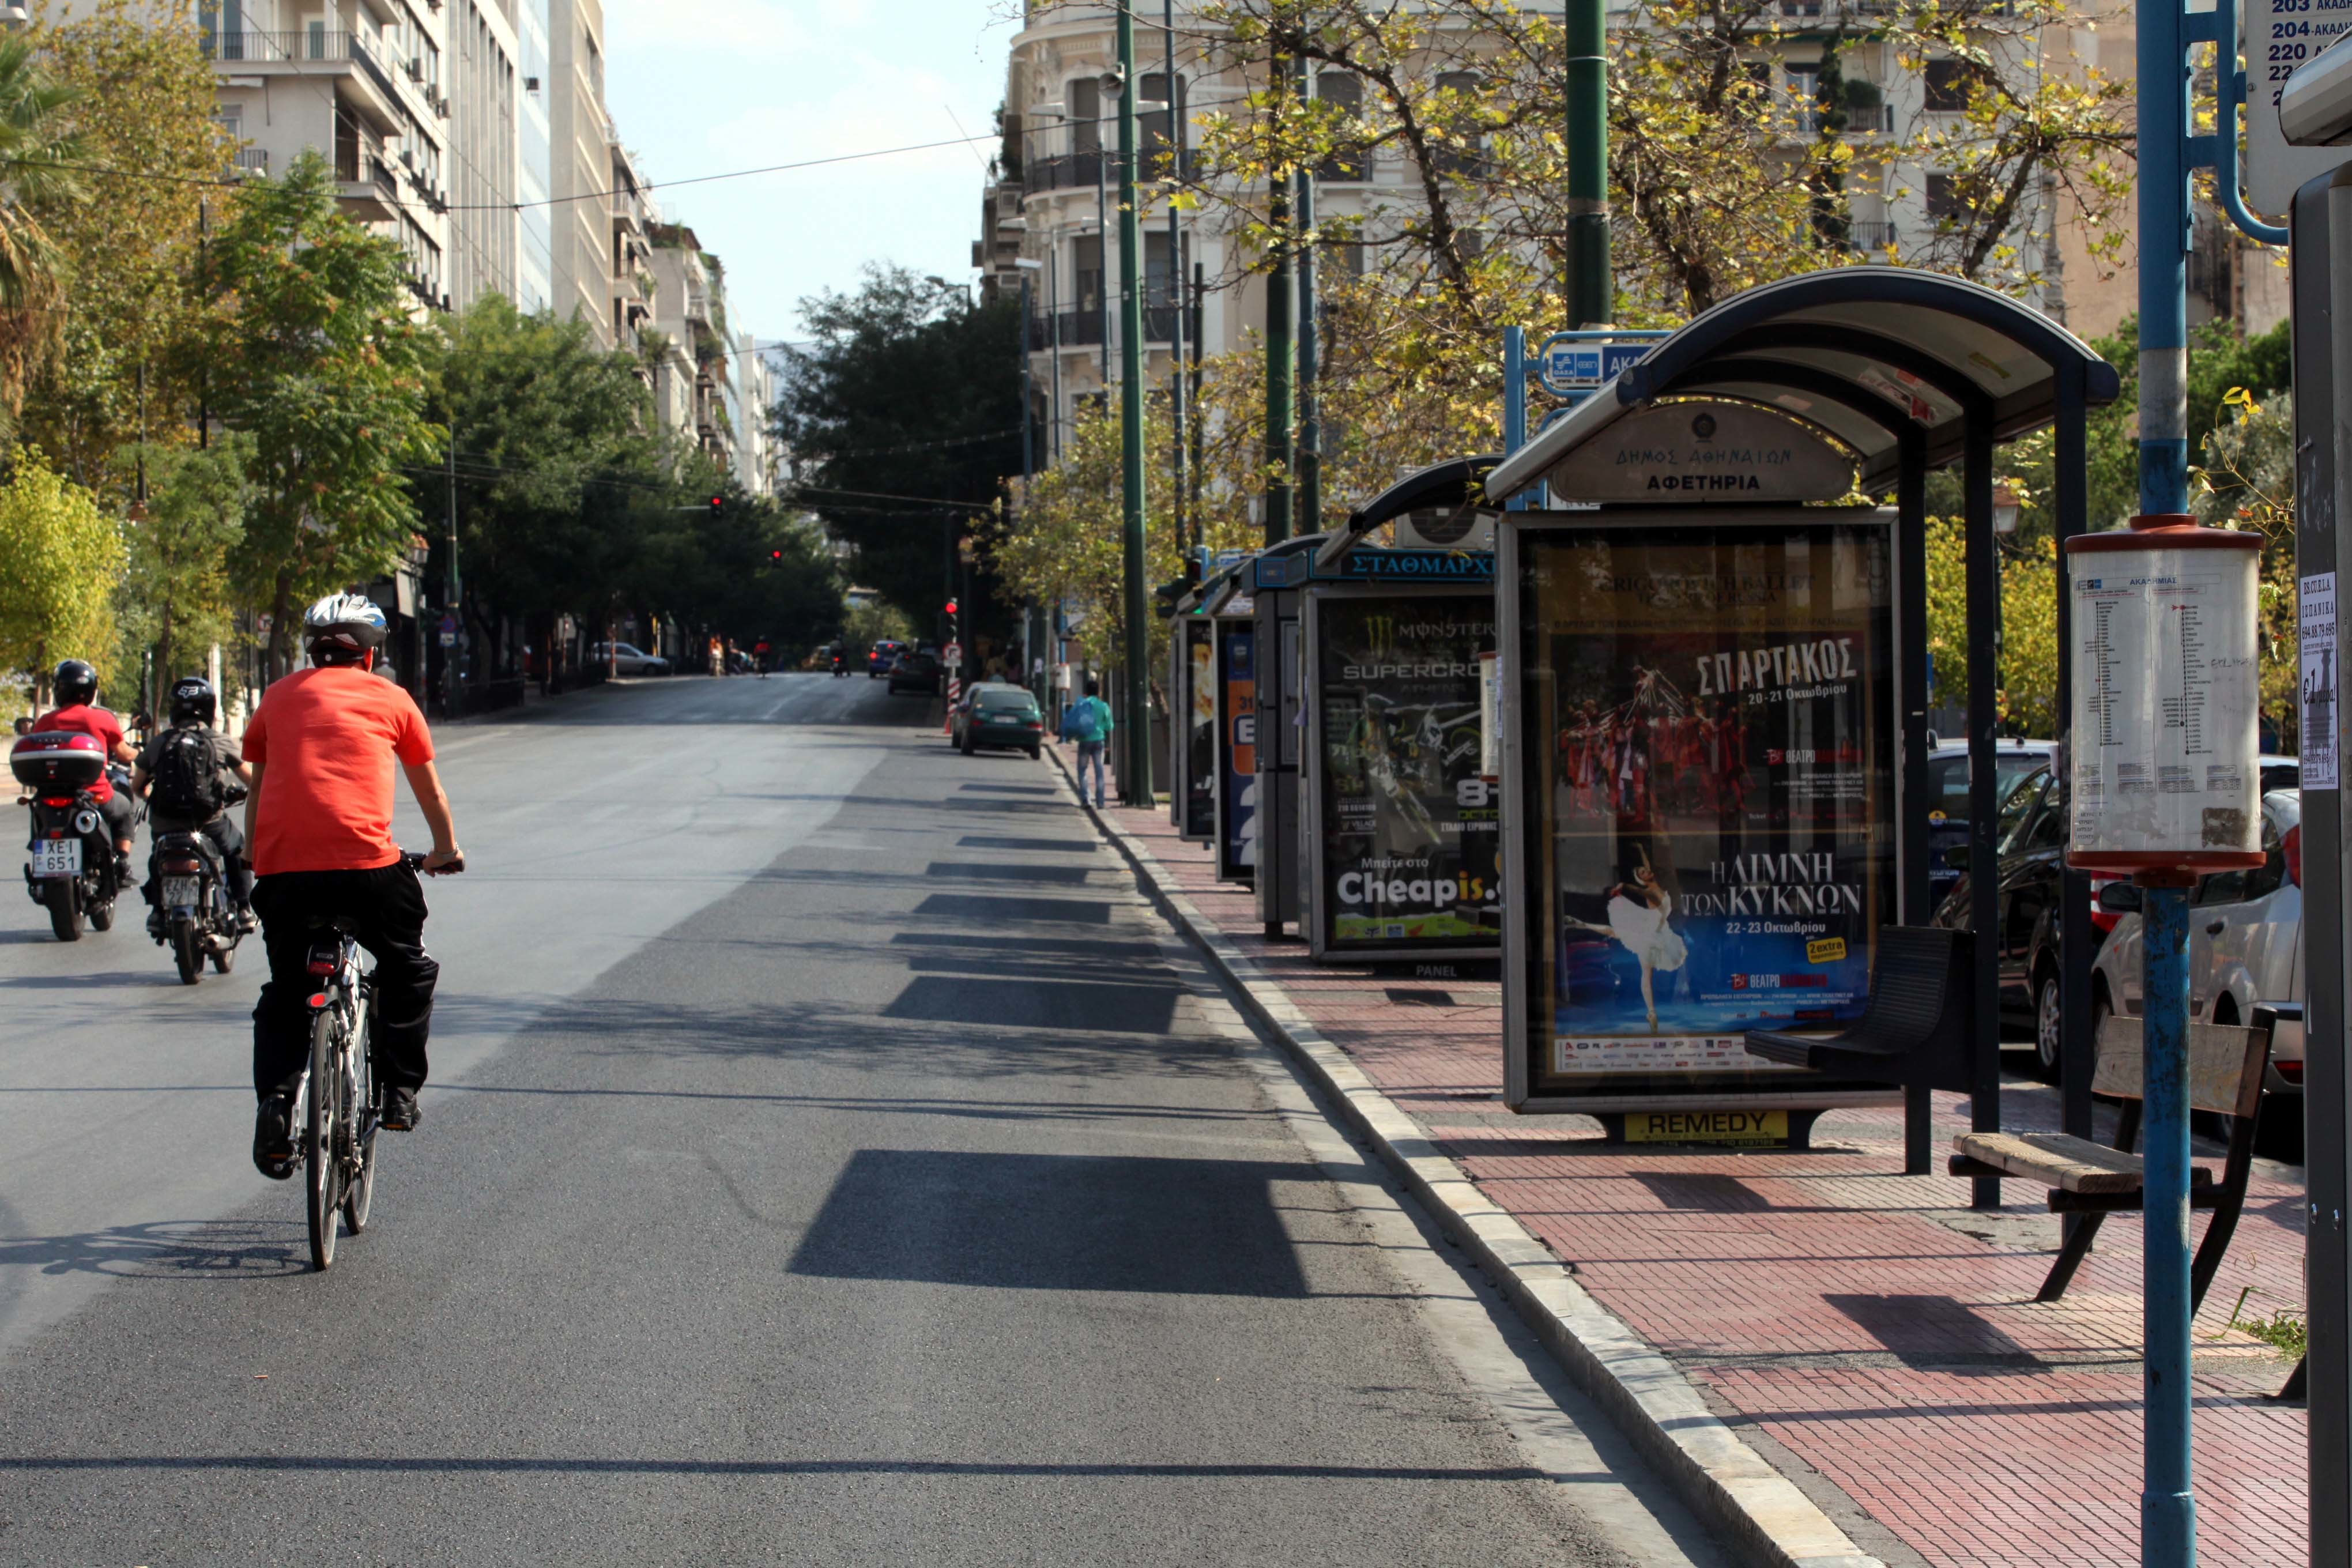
x=775 y=555
x=718 y=505
x=951 y=606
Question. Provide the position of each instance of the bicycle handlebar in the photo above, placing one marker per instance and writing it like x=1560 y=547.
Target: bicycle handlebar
x=416 y=862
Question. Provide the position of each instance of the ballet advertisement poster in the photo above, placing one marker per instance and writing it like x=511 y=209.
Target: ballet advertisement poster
x=1408 y=830
x=1707 y=758
x=1200 y=730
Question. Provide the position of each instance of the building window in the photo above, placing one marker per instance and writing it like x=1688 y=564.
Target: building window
x=1944 y=199
x=1463 y=153
x=1345 y=92
x=1158 y=126
x=1083 y=102
x=1950 y=83
x=1087 y=260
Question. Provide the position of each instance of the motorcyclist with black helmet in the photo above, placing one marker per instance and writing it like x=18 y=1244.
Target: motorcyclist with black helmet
x=75 y=684
x=182 y=772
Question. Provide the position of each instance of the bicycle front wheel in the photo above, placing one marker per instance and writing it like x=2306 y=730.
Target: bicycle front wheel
x=361 y=1192
x=324 y=1178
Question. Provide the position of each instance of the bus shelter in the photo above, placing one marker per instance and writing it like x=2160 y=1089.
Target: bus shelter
x=1716 y=686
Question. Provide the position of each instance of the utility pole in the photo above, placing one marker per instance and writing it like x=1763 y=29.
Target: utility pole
x=1174 y=90
x=457 y=616
x=1309 y=456
x=1135 y=777
x=1591 y=285
x=2167 y=1506
x=1278 y=349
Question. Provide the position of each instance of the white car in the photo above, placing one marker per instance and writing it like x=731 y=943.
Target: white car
x=626 y=660
x=2246 y=944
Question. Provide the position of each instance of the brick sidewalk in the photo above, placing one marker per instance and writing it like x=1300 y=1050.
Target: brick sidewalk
x=1870 y=1324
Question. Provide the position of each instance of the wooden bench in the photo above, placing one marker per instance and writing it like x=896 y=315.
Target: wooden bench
x=2225 y=1075
x=1919 y=1027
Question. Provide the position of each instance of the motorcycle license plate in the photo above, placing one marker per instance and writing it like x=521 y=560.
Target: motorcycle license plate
x=57 y=857
x=180 y=893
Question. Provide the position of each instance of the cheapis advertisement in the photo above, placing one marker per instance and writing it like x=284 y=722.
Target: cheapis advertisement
x=1716 y=769
x=1410 y=842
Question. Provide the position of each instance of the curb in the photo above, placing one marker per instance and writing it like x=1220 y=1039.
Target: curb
x=1749 y=1504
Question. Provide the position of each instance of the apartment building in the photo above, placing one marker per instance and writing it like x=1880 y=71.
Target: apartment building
x=580 y=167
x=694 y=381
x=534 y=173
x=633 y=251
x=484 y=153
x=755 y=449
x=361 y=81
x=1049 y=204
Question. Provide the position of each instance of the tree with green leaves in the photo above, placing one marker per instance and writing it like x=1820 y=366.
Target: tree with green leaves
x=176 y=596
x=60 y=556
x=908 y=397
x=126 y=231
x=40 y=149
x=315 y=355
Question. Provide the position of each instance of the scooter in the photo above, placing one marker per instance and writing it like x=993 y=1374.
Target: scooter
x=840 y=665
x=193 y=916
x=72 y=864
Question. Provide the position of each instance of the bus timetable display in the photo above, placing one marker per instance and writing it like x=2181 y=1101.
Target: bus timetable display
x=1705 y=752
x=1409 y=854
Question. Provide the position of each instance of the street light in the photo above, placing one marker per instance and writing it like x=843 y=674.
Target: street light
x=1135 y=777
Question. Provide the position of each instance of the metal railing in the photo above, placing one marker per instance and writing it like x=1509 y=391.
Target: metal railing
x=1874 y=119
x=1084 y=328
x=300 y=48
x=1871 y=237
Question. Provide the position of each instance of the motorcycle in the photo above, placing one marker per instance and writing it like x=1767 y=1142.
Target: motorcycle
x=840 y=665
x=71 y=865
x=193 y=916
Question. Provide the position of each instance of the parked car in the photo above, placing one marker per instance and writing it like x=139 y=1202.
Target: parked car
x=627 y=660
x=2245 y=943
x=882 y=657
x=992 y=713
x=2032 y=850
x=1947 y=799
x=915 y=672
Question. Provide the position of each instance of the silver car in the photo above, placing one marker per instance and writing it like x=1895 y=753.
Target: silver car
x=627 y=660
x=2245 y=943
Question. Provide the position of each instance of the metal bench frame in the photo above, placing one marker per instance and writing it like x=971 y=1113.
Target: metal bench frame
x=2226 y=1067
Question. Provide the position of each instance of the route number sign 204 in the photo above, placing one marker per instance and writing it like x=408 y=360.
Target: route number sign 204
x=2279 y=36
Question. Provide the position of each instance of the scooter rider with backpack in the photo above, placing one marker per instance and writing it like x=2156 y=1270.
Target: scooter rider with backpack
x=184 y=773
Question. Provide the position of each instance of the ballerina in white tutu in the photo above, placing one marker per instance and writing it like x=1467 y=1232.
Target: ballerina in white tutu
x=1637 y=920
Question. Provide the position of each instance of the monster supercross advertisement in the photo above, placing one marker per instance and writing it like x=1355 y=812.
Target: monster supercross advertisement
x=1708 y=754
x=1411 y=852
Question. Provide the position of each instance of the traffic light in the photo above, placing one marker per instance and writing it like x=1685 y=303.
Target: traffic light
x=1166 y=595
x=776 y=556
x=951 y=606
x=718 y=506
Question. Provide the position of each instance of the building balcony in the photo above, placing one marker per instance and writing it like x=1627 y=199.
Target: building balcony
x=367 y=83
x=366 y=185
x=1877 y=119
x=1079 y=170
x=1871 y=237
x=250 y=161
x=1085 y=329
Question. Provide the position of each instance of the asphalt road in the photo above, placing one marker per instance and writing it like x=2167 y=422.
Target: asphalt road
x=829 y=1159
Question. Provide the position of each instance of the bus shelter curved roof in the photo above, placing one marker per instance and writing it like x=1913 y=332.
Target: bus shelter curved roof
x=1860 y=354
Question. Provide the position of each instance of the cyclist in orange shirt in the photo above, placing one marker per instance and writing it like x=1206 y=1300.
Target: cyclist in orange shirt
x=323 y=745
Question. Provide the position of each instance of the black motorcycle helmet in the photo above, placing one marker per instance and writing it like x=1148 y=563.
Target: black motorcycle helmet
x=75 y=681
x=193 y=701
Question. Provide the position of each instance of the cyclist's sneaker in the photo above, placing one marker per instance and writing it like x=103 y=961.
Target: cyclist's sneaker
x=400 y=1113
x=273 y=1138
x=246 y=920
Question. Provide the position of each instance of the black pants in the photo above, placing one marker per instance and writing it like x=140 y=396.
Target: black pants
x=223 y=831
x=121 y=813
x=387 y=908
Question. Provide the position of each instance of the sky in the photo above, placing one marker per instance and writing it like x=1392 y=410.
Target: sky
x=731 y=84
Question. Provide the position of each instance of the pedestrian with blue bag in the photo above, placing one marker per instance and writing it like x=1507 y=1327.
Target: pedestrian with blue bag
x=1086 y=722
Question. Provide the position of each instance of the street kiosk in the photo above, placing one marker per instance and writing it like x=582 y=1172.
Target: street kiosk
x=1277 y=578
x=1715 y=695
x=1192 y=735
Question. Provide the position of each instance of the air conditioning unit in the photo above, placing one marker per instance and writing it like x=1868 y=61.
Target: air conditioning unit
x=1445 y=528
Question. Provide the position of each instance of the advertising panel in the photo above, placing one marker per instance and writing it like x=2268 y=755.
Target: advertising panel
x=1236 y=696
x=1199 y=805
x=1705 y=751
x=1406 y=829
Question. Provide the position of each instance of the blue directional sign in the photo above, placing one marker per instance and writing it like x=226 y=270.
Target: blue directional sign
x=1567 y=364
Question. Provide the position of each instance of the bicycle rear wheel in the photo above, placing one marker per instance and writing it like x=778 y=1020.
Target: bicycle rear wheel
x=323 y=1180
x=361 y=1192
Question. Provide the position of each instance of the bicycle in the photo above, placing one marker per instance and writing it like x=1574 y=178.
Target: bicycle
x=339 y=1103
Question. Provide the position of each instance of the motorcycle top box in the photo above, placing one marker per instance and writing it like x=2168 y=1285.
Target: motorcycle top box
x=57 y=760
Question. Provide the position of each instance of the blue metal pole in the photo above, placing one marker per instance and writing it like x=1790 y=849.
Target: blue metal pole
x=2163 y=260
x=1515 y=399
x=2168 y=1509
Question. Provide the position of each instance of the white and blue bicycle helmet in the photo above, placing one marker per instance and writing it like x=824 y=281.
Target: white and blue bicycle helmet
x=342 y=628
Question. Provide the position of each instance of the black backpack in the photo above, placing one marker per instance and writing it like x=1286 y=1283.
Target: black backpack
x=188 y=783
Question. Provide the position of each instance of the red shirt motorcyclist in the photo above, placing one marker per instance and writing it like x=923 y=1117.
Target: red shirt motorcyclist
x=78 y=713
